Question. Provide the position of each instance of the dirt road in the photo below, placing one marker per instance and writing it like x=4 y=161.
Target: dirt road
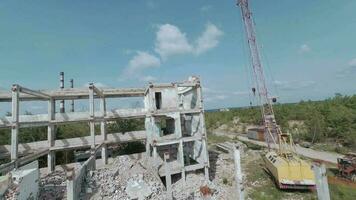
x=307 y=152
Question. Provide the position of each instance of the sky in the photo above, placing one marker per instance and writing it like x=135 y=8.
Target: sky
x=308 y=47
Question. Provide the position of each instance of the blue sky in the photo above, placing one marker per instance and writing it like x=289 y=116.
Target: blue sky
x=308 y=47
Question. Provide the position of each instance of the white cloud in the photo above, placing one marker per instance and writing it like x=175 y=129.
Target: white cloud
x=221 y=97
x=347 y=71
x=210 y=90
x=294 y=85
x=352 y=63
x=148 y=78
x=205 y=8
x=212 y=98
x=96 y=84
x=240 y=93
x=209 y=39
x=304 y=48
x=142 y=60
x=151 y=4
x=171 y=41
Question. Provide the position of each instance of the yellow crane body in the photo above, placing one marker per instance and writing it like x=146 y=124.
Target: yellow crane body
x=289 y=171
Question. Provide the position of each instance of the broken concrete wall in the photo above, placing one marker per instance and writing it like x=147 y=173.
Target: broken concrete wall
x=191 y=125
x=77 y=178
x=26 y=180
x=188 y=98
x=174 y=125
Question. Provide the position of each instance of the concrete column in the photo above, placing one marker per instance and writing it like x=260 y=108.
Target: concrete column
x=61 y=85
x=104 y=155
x=181 y=153
x=168 y=176
x=71 y=194
x=15 y=123
x=203 y=132
x=206 y=159
x=155 y=155
x=91 y=113
x=321 y=181
x=51 y=161
x=238 y=174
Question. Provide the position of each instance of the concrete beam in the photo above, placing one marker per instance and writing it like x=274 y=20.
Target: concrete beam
x=76 y=94
x=38 y=94
x=97 y=91
x=42 y=119
x=4 y=168
x=73 y=143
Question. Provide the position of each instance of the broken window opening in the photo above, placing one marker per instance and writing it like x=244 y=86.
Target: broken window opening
x=167 y=126
x=158 y=98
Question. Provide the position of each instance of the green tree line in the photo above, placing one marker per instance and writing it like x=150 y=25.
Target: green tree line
x=330 y=119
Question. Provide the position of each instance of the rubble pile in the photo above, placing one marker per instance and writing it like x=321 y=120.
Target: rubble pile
x=125 y=178
x=196 y=187
x=128 y=178
x=11 y=192
x=53 y=186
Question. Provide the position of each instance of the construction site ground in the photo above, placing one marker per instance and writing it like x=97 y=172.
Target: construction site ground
x=129 y=177
x=259 y=185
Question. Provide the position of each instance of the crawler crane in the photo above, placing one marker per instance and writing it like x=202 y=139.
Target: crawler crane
x=288 y=170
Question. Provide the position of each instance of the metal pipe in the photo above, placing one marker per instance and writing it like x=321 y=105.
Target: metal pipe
x=72 y=102
x=61 y=86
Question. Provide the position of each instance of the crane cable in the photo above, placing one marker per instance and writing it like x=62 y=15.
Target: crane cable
x=266 y=63
x=247 y=63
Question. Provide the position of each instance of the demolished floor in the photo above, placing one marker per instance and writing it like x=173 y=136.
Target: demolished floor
x=128 y=177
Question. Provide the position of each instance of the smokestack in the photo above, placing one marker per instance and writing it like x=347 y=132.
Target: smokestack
x=72 y=103
x=61 y=85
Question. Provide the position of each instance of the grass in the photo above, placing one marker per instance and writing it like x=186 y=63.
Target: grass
x=213 y=139
x=331 y=148
x=341 y=192
x=252 y=146
x=265 y=189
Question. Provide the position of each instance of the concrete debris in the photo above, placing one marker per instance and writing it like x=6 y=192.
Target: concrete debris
x=138 y=189
x=5 y=182
x=122 y=180
x=205 y=191
x=127 y=178
x=12 y=192
x=53 y=186
x=228 y=147
x=192 y=188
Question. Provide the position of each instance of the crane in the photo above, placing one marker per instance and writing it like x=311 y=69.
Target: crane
x=287 y=169
x=272 y=130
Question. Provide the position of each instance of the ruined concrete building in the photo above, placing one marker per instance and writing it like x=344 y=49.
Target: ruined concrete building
x=174 y=127
x=175 y=124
